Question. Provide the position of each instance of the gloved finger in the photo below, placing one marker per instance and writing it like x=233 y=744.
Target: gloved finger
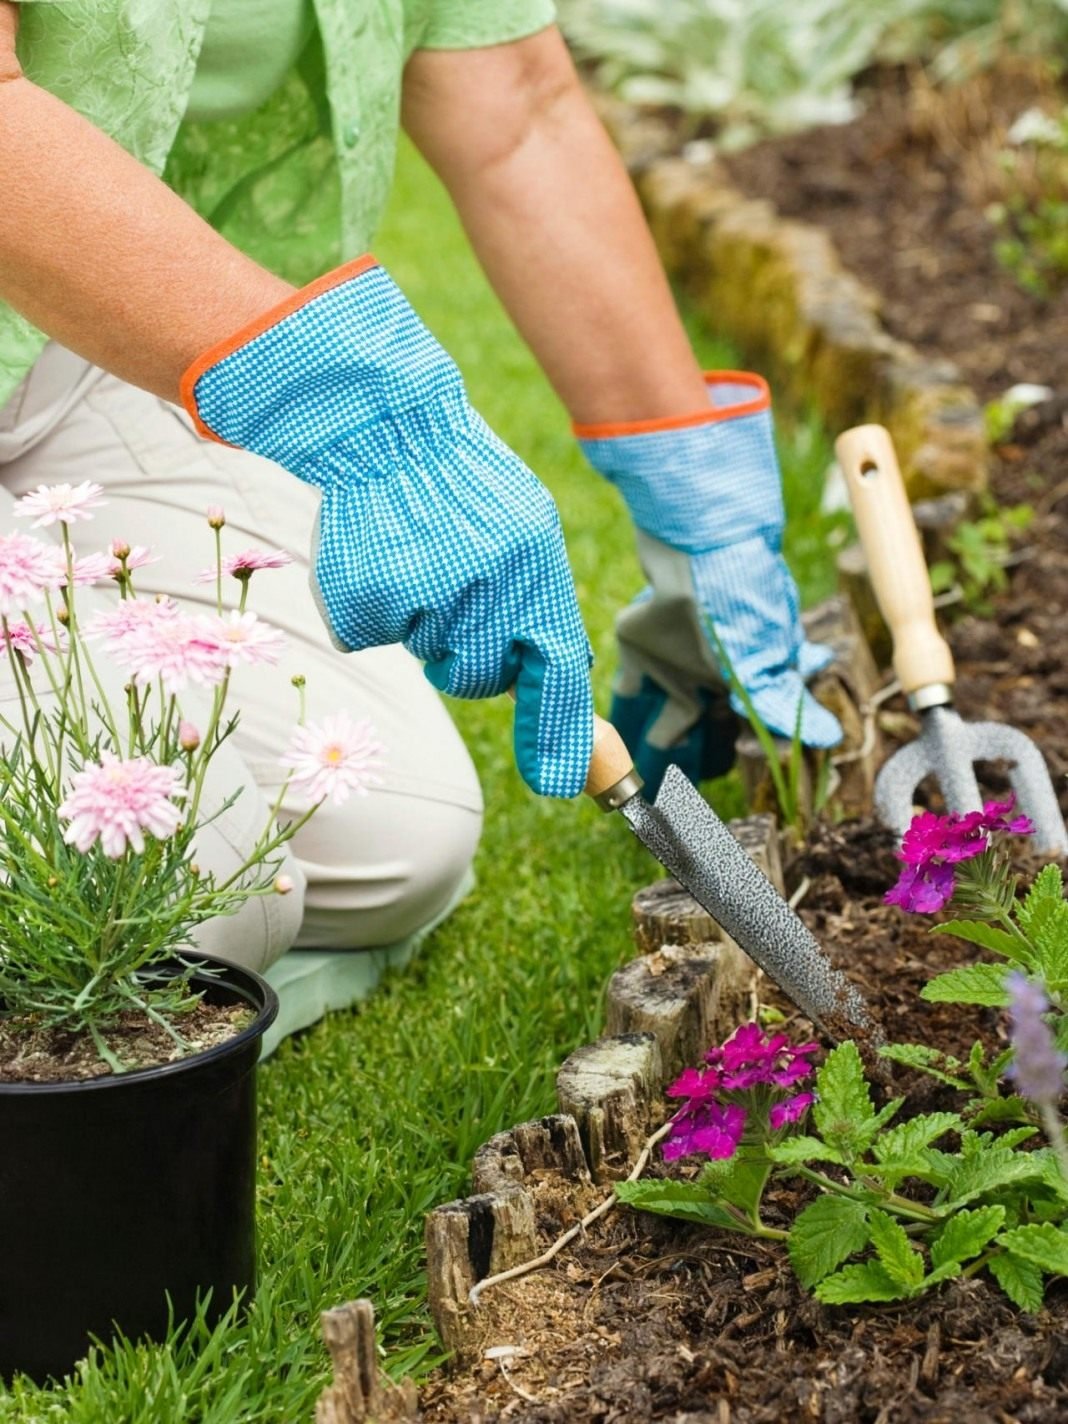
x=462 y=673
x=813 y=658
x=776 y=704
x=553 y=731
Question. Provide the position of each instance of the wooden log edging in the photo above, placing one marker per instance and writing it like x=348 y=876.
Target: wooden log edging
x=609 y=1092
x=778 y=288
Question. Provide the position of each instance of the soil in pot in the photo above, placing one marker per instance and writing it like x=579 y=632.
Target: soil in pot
x=119 y=1191
x=650 y=1320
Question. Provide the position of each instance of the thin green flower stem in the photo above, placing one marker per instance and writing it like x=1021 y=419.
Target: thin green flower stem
x=72 y=626
x=207 y=744
x=244 y=593
x=900 y=1206
x=263 y=849
x=218 y=571
x=13 y=659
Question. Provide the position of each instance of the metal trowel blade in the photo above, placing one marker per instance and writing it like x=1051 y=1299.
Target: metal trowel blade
x=691 y=841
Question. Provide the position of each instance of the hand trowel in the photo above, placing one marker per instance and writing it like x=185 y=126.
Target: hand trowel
x=687 y=837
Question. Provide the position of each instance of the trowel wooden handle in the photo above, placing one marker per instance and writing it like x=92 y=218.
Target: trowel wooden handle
x=611 y=766
x=895 y=556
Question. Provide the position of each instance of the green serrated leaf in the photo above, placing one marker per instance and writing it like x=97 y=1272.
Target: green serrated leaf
x=688 y=1201
x=995 y=1110
x=853 y=1285
x=1051 y=943
x=920 y=1166
x=1020 y=1280
x=908 y=1138
x=971 y=984
x=1042 y=900
x=843 y=1105
x=897 y=1255
x=988 y=937
x=824 y=1234
x=1044 y=1245
x=803 y=1149
x=965 y=1234
x=987 y=1171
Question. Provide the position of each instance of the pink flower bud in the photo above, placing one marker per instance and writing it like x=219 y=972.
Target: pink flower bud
x=120 y=549
x=283 y=884
x=188 y=737
x=216 y=516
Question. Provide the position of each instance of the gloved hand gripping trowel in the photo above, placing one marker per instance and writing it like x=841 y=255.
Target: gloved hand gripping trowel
x=687 y=837
x=947 y=746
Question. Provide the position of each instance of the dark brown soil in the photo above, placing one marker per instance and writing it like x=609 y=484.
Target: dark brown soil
x=30 y=1053
x=904 y=192
x=649 y=1319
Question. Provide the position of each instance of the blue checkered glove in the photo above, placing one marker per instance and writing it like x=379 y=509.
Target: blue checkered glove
x=705 y=494
x=431 y=532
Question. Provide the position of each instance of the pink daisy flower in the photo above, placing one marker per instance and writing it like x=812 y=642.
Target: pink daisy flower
x=59 y=504
x=334 y=758
x=21 y=636
x=244 y=565
x=150 y=640
x=28 y=567
x=240 y=639
x=117 y=801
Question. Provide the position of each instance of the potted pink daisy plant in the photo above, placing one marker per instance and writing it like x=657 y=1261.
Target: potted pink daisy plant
x=127 y=1058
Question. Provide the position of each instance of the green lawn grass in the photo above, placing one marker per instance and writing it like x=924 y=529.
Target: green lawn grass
x=372 y=1118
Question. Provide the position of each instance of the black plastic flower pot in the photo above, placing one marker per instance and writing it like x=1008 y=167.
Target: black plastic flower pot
x=125 y=1199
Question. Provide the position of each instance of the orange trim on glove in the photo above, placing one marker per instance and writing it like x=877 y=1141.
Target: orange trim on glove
x=761 y=401
x=257 y=327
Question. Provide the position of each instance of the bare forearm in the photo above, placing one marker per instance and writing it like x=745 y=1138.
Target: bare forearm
x=556 y=224
x=102 y=256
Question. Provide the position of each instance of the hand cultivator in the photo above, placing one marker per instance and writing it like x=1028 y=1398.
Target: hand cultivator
x=947 y=746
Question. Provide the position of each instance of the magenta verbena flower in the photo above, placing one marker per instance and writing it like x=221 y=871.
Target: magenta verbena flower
x=28 y=569
x=933 y=845
x=59 y=504
x=117 y=801
x=334 y=758
x=752 y=1066
x=245 y=564
x=1038 y=1066
x=791 y=1110
x=709 y=1130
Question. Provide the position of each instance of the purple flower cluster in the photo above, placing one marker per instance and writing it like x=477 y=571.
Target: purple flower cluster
x=1038 y=1066
x=751 y=1063
x=933 y=845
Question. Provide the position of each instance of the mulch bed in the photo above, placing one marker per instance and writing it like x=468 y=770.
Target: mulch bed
x=647 y=1319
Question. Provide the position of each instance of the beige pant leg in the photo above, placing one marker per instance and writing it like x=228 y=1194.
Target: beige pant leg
x=379 y=867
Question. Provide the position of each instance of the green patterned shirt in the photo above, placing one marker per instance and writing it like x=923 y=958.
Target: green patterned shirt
x=300 y=183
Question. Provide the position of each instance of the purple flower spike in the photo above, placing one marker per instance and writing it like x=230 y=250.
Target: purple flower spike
x=1038 y=1067
x=792 y=1110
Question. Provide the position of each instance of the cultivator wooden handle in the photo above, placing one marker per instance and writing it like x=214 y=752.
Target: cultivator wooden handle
x=898 y=570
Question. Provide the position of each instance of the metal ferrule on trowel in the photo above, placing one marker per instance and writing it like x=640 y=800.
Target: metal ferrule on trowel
x=947 y=746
